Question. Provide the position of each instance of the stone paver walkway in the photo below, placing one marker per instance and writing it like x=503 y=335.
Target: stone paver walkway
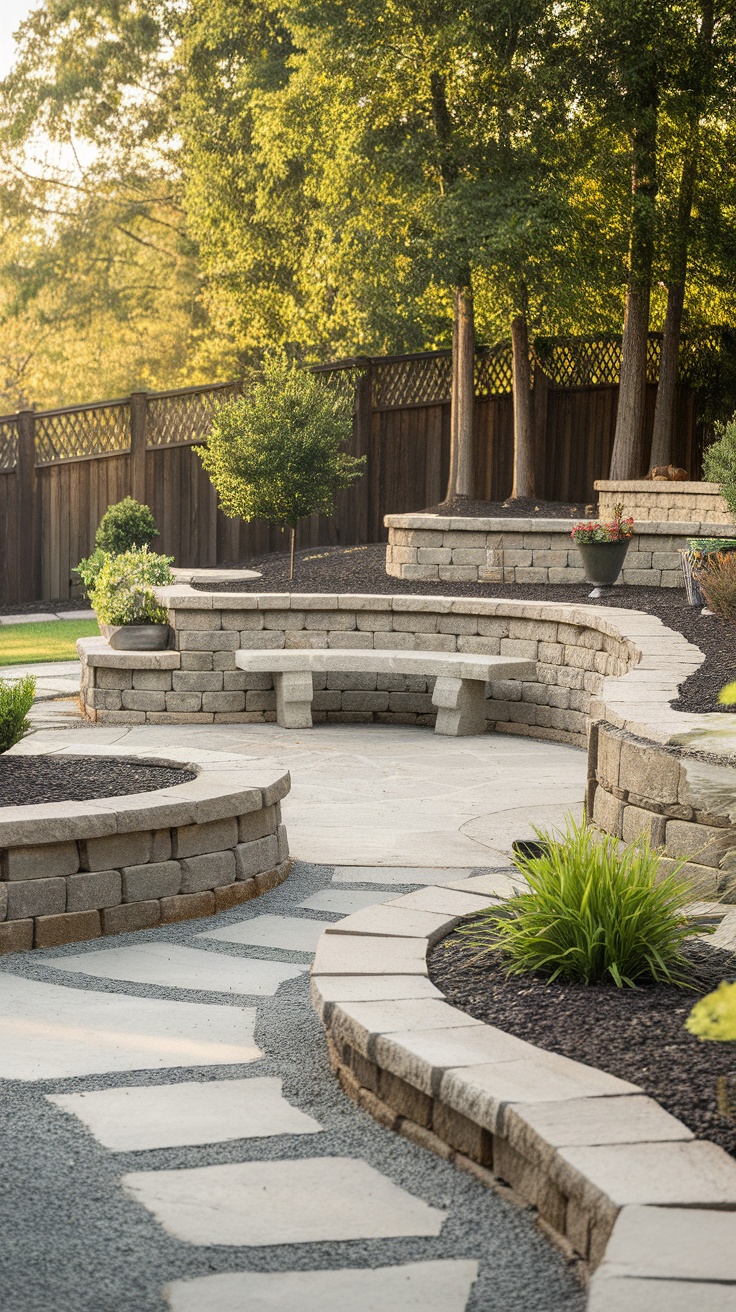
x=172 y=1133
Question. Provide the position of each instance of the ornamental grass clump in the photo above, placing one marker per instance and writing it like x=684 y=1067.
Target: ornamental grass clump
x=717 y=582
x=16 y=700
x=594 y=912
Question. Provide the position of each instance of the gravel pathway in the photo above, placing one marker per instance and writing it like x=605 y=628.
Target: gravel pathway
x=160 y=1137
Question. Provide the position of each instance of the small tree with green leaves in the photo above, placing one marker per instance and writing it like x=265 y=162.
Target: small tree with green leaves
x=719 y=462
x=277 y=452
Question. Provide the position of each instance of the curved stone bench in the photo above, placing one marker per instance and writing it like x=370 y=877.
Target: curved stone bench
x=459 y=690
x=626 y=1187
x=78 y=870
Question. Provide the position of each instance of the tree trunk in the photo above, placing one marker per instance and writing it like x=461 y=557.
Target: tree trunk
x=460 y=482
x=627 y=457
x=523 y=484
x=664 y=414
x=291 y=554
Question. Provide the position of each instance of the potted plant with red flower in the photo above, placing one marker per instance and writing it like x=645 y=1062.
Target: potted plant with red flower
x=603 y=548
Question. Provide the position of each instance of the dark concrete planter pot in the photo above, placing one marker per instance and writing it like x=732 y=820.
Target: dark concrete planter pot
x=136 y=637
x=603 y=561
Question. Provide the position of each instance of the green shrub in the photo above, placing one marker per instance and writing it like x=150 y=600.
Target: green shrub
x=276 y=453
x=125 y=526
x=719 y=462
x=16 y=700
x=595 y=911
x=123 y=591
x=714 y=1016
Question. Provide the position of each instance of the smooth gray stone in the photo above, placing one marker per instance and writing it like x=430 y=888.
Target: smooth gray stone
x=415 y=1287
x=49 y=1032
x=256 y=1204
x=173 y=966
x=344 y=901
x=395 y=875
x=289 y=933
x=153 y=1116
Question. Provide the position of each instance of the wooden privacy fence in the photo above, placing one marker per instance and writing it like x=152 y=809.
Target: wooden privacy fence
x=60 y=469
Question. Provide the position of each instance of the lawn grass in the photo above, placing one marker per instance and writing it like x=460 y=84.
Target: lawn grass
x=52 y=640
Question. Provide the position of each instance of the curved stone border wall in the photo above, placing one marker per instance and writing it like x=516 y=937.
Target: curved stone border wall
x=436 y=548
x=626 y=1187
x=604 y=677
x=78 y=870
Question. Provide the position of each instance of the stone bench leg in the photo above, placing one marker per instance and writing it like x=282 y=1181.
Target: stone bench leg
x=294 y=700
x=461 y=706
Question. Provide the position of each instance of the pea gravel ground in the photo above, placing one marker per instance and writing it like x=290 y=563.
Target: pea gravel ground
x=71 y=1239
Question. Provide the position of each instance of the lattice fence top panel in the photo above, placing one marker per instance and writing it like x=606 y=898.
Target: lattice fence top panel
x=494 y=374
x=181 y=417
x=91 y=431
x=416 y=380
x=8 y=444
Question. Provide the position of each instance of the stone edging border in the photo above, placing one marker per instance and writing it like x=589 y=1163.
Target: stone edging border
x=642 y=1206
x=71 y=871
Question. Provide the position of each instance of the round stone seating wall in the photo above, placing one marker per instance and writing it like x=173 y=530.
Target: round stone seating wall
x=436 y=548
x=604 y=679
x=79 y=870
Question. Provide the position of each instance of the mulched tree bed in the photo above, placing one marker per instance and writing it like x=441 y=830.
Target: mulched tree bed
x=636 y=1034
x=26 y=780
x=529 y=508
x=363 y=569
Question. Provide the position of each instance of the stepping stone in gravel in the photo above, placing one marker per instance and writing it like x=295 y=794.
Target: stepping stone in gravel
x=320 y=1200
x=397 y=875
x=289 y=933
x=182 y=968
x=416 y=1287
x=344 y=901
x=49 y=1032
x=175 y=1115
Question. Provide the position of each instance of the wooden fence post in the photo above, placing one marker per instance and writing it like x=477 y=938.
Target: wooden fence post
x=138 y=417
x=362 y=431
x=28 y=540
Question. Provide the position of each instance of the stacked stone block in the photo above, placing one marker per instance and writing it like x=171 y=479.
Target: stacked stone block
x=65 y=891
x=638 y=787
x=572 y=661
x=665 y=501
x=433 y=549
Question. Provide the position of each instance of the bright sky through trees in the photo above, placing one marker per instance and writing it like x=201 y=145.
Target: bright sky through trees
x=12 y=13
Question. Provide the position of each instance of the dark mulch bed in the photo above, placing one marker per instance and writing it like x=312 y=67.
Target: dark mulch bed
x=636 y=1034
x=49 y=608
x=529 y=508
x=363 y=569
x=29 y=779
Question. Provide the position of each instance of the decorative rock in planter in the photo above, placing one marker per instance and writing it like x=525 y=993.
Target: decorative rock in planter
x=136 y=637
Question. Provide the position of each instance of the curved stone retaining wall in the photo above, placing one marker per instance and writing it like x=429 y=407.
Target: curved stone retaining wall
x=625 y=1186
x=78 y=870
x=604 y=678
x=436 y=548
x=646 y=499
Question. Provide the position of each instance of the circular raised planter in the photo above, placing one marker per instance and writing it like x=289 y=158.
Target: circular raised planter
x=78 y=870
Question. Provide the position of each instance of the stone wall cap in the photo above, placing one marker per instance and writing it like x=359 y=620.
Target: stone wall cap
x=97 y=651
x=657 y=485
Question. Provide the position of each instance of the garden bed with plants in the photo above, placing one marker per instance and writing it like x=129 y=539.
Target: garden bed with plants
x=597 y=958
x=29 y=780
x=362 y=569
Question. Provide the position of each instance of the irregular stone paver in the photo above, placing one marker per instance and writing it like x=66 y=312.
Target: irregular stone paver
x=344 y=901
x=172 y=1115
x=48 y=1031
x=393 y=875
x=292 y=1202
x=172 y=966
x=289 y=933
x=419 y=1287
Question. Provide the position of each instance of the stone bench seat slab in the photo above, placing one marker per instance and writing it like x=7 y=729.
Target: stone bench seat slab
x=459 y=692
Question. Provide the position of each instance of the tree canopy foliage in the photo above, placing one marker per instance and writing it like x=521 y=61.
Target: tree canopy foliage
x=185 y=184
